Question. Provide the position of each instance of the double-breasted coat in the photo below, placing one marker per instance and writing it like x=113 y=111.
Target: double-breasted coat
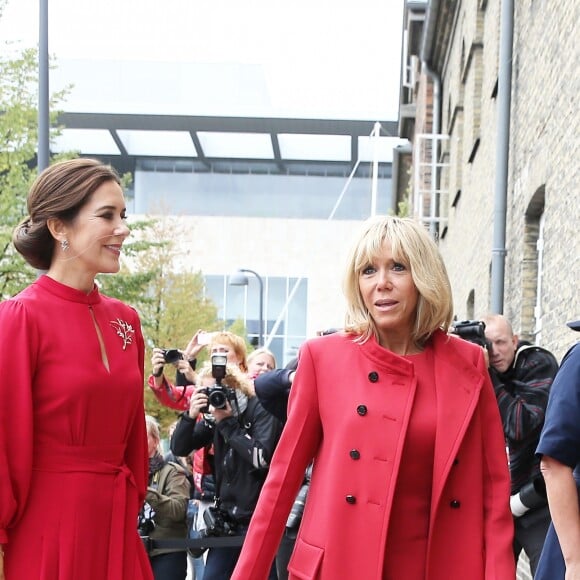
x=349 y=410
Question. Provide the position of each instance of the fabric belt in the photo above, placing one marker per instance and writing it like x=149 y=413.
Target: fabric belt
x=203 y=543
x=105 y=460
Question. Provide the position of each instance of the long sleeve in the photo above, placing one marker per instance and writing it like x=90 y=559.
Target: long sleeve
x=136 y=453
x=189 y=435
x=522 y=394
x=170 y=503
x=273 y=390
x=19 y=346
x=300 y=439
x=170 y=395
x=255 y=445
x=498 y=522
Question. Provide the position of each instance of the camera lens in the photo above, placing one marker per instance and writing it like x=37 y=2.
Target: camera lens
x=217 y=398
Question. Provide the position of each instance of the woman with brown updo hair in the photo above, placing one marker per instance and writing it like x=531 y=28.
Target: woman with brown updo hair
x=73 y=444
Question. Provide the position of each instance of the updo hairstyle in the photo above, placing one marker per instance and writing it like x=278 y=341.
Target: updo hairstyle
x=60 y=191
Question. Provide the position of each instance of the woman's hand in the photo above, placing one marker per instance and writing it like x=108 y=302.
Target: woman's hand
x=197 y=402
x=223 y=413
x=157 y=364
x=185 y=369
x=193 y=347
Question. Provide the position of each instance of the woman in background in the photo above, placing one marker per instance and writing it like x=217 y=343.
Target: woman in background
x=178 y=396
x=165 y=508
x=260 y=361
x=410 y=478
x=73 y=447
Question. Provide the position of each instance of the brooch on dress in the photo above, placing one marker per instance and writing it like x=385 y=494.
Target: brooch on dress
x=124 y=330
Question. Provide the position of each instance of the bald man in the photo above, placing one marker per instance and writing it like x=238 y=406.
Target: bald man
x=522 y=375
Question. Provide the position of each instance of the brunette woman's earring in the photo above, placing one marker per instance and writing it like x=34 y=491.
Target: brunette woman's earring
x=64 y=245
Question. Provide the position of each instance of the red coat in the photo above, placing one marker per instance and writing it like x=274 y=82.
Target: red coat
x=348 y=396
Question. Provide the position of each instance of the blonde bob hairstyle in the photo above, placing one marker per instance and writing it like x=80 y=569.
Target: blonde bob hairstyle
x=235 y=342
x=412 y=246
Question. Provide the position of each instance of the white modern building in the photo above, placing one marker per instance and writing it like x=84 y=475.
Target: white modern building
x=276 y=197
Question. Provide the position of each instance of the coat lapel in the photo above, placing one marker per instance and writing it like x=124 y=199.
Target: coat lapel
x=457 y=384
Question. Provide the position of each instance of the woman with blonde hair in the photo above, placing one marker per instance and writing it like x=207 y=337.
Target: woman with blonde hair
x=244 y=436
x=177 y=396
x=410 y=479
x=260 y=361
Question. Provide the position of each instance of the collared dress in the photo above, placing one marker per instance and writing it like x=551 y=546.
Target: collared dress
x=73 y=446
x=560 y=439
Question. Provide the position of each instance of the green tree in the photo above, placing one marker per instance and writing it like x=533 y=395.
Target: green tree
x=170 y=301
x=18 y=143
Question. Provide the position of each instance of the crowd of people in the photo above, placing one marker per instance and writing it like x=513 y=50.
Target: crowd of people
x=388 y=449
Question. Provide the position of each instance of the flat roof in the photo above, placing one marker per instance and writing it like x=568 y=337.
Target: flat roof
x=218 y=143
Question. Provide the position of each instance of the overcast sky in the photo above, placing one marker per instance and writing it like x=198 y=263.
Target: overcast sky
x=299 y=58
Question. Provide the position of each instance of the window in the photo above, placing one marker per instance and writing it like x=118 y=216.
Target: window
x=284 y=310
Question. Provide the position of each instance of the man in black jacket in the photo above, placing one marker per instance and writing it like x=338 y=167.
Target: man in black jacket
x=244 y=435
x=522 y=375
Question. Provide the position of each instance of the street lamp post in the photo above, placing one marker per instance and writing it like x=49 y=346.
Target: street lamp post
x=239 y=278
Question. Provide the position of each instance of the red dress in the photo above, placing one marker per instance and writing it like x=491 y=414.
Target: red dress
x=73 y=447
x=406 y=551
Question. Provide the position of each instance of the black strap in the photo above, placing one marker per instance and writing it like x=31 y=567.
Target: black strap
x=184 y=543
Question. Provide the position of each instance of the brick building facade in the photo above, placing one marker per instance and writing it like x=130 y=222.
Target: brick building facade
x=451 y=67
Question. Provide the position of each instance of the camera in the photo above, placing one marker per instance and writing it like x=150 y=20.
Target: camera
x=472 y=331
x=145 y=520
x=218 y=523
x=297 y=510
x=533 y=495
x=218 y=367
x=172 y=355
x=218 y=395
x=530 y=497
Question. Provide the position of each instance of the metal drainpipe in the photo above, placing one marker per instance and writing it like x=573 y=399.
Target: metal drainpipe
x=498 y=251
x=436 y=80
x=43 y=89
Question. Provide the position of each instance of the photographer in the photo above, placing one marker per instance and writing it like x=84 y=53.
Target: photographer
x=170 y=395
x=522 y=375
x=164 y=513
x=244 y=435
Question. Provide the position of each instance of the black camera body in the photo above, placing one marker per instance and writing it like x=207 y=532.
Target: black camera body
x=172 y=355
x=533 y=495
x=218 y=523
x=472 y=331
x=218 y=395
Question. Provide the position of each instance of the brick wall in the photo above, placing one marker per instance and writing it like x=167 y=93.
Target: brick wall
x=543 y=164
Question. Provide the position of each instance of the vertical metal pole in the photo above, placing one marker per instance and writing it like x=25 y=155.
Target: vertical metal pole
x=261 y=310
x=43 y=91
x=498 y=251
x=375 y=179
x=261 y=313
